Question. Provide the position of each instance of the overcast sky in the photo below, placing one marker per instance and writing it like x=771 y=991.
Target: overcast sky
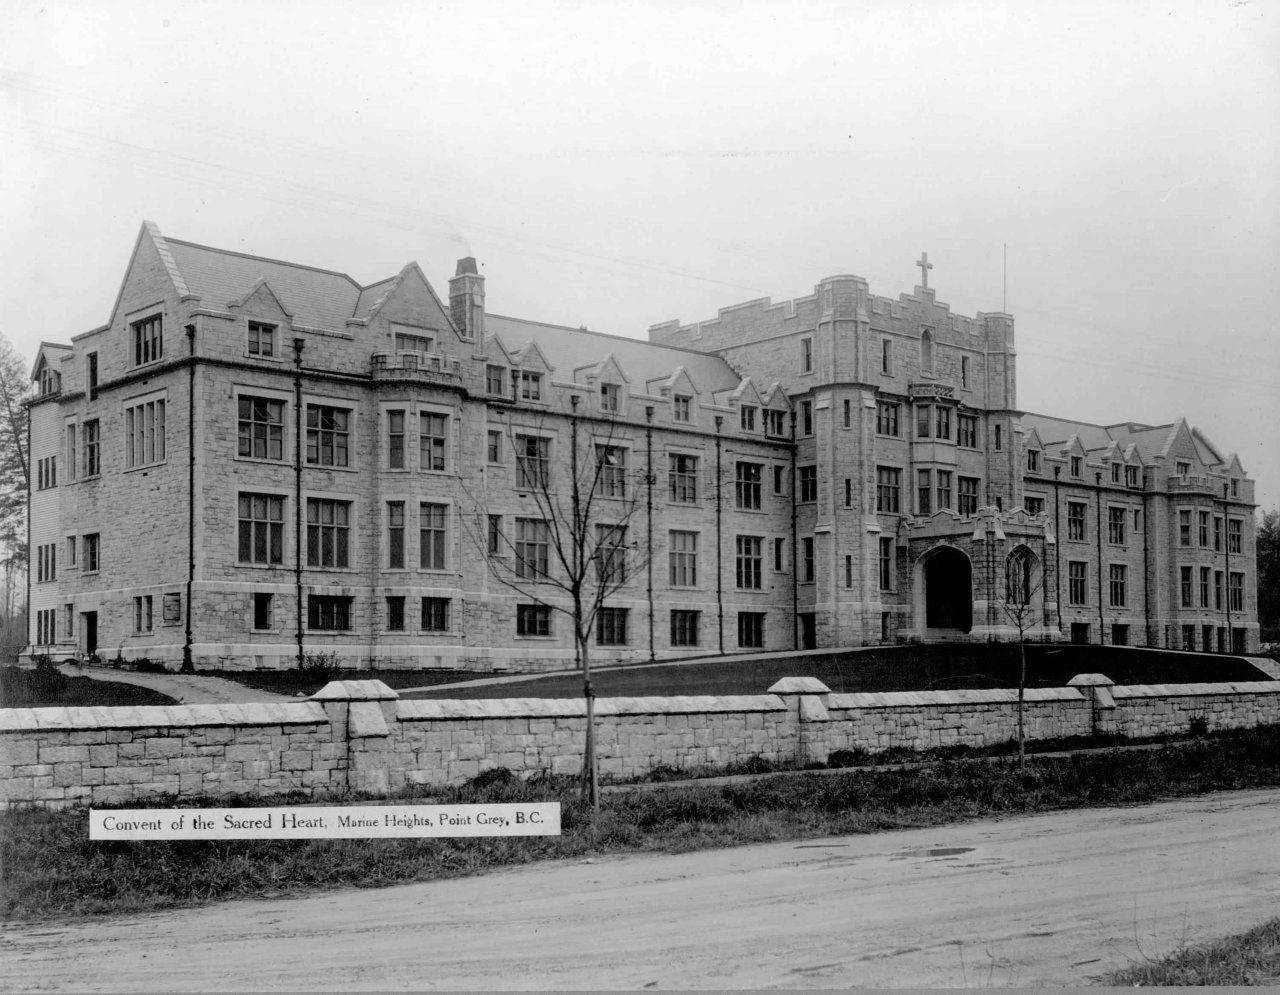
x=619 y=165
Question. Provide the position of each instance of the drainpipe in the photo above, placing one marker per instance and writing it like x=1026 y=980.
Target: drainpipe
x=649 y=480
x=795 y=544
x=1057 y=548
x=1226 y=548
x=1146 y=564
x=298 y=344
x=719 y=541
x=1102 y=625
x=188 y=664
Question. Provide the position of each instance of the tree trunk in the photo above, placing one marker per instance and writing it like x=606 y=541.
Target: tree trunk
x=1022 y=689
x=590 y=778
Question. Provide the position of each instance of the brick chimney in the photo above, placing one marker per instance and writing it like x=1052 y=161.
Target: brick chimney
x=466 y=300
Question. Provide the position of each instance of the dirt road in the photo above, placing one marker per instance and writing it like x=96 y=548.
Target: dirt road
x=1046 y=900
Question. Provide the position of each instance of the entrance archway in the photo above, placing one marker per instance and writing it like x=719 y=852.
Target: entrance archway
x=948 y=590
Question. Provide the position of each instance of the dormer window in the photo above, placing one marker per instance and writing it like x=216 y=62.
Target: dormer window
x=262 y=339
x=530 y=386
x=748 y=418
x=681 y=408
x=148 y=340
x=1115 y=473
x=414 y=343
x=495 y=380
x=775 y=424
x=1033 y=460
x=610 y=397
x=1077 y=465
x=1131 y=476
x=50 y=382
x=1184 y=468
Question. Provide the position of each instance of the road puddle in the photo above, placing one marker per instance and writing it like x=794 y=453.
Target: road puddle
x=938 y=851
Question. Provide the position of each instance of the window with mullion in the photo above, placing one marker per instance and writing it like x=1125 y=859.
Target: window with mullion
x=328 y=435
x=261 y=424
x=433 y=441
x=328 y=533
x=432 y=530
x=261 y=528
x=683 y=476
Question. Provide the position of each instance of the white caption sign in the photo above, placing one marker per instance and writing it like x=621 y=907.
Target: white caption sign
x=304 y=822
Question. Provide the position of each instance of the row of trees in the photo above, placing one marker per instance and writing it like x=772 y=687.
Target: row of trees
x=15 y=390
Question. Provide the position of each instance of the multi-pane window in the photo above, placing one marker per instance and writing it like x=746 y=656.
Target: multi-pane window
x=50 y=380
x=611 y=554
x=395 y=613
x=609 y=397
x=493 y=446
x=806 y=355
x=261 y=428
x=747 y=485
x=967 y=431
x=751 y=630
x=1077 y=582
x=433 y=440
x=1033 y=460
x=1235 y=534
x=682 y=475
x=886 y=563
x=261 y=519
x=530 y=386
x=775 y=424
x=144 y=433
x=1077 y=465
x=810 y=566
x=46 y=473
x=944 y=490
x=942 y=422
x=395 y=440
x=495 y=380
x=92 y=454
x=888 y=489
x=1204 y=587
x=1115 y=473
x=1236 y=593
x=808 y=483
x=806 y=417
x=683 y=555
x=328 y=435
x=1033 y=505
x=612 y=478
x=681 y=407
x=496 y=542
x=432 y=530
x=924 y=420
x=395 y=534
x=611 y=627
x=1017 y=577
x=262 y=339
x=435 y=614
x=1118 y=574
x=148 y=340
x=532 y=546
x=532 y=461
x=1217 y=534
x=1076 y=521
x=1131 y=476
x=1184 y=528
x=1217 y=590
x=924 y=492
x=747 y=418
x=46 y=626
x=684 y=627
x=1115 y=526
x=887 y=413
x=1203 y=529
x=328 y=612
x=46 y=563
x=72 y=452
x=406 y=342
x=749 y=572
x=143 y=604
x=533 y=620
x=967 y=495
x=328 y=533
x=92 y=547
x=262 y=616
x=1186 y=587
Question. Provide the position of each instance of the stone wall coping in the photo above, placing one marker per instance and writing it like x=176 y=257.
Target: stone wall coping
x=161 y=716
x=1090 y=681
x=354 y=691
x=1192 y=690
x=799 y=685
x=987 y=696
x=503 y=708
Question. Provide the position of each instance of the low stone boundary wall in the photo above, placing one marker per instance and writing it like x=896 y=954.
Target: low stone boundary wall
x=358 y=736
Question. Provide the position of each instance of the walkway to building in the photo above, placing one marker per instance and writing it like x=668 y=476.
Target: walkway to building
x=186 y=689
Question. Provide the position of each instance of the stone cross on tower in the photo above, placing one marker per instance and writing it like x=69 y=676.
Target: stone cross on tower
x=925 y=266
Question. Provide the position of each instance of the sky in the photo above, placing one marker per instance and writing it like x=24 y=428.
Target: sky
x=1108 y=173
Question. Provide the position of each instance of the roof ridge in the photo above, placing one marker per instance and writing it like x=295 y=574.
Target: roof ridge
x=268 y=259
x=606 y=335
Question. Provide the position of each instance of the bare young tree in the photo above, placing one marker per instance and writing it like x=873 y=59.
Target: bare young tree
x=576 y=547
x=1023 y=582
x=15 y=390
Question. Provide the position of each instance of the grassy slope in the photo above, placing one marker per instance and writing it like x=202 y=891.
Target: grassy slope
x=26 y=688
x=1251 y=958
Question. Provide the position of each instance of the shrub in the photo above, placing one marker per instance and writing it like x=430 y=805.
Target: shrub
x=1199 y=726
x=321 y=666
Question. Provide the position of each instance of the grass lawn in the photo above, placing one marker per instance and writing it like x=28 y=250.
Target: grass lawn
x=44 y=687
x=1251 y=958
x=290 y=682
x=49 y=867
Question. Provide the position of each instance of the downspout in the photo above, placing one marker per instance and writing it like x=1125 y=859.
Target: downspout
x=27 y=607
x=1146 y=564
x=1226 y=579
x=188 y=664
x=297 y=490
x=1102 y=624
x=649 y=481
x=1057 y=547
x=795 y=546
x=719 y=541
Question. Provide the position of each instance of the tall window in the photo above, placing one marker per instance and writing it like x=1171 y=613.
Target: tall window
x=683 y=554
x=926 y=351
x=924 y=492
x=143 y=606
x=810 y=566
x=432 y=520
x=92 y=455
x=751 y=630
x=1235 y=533
x=532 y=454
x=886 y=356
x=262 y=339
x=1117 y=592
x=495 y=380
x=1077 y=465
x=493 y=446
x=395 y=534
x=808 y=483
x=609 y=397
x=967 y=431
x=328 y=435
x=395 y=613
x=924 y=419
x=682 y=475
x=261 y=519
x=261 y=428
x=1184 y=527
x=684 y=627
x=806 y=418
x=46 y=473
x=530 y=386
x=1236 y=592
x=747 y=417
x=395 y=440
x=1203 y=529
x=532 y=546
x=775 y=424
x=681 y=407
x=92 y=548
x=328 y=533
x=261 y=610
x=1018 y=577
x=328 y=613
x=148 y=340
x=748 y=563
x=433 y=440
x=1115 y=526
x=144 y=433
x=1076 y=520
x=964 y=371
x=72 y=452
x=1186 y=587
x=1217 y=534
x=1033 y=460
x=944 y=490
x=1204 y=587
x=886 y=563
x=496 y=541
x=46 y=563
x=888 y=489
x=847 y=406
x=967 y=499
x=942 y=422
x=806 y=355
x=612 y=479
x=611 y=554
x=747 y=485
x=435 y=614
x=533 y=620
x=1217 y=590
x=1077 y=584
x=887 y=417
x=611 y=627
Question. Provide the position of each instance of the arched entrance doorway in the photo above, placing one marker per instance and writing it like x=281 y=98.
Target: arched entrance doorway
x=948 y=590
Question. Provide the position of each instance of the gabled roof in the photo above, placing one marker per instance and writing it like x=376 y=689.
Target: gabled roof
x=41 y=356
x=1151 y=442
x=643 y=361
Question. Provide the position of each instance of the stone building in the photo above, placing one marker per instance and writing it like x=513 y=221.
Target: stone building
x=256 y=460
